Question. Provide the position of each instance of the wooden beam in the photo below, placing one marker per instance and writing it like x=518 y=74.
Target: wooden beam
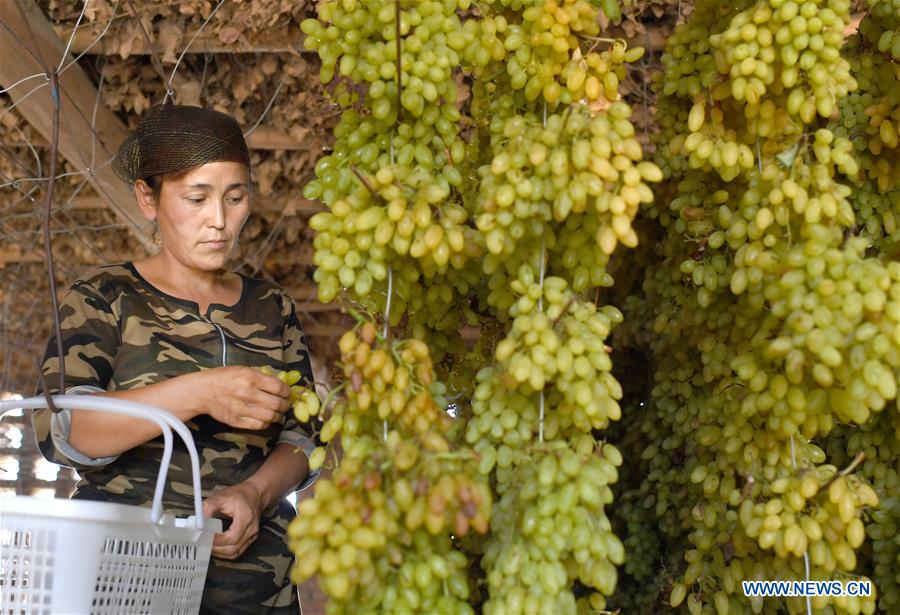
x=14 y=254
x=262 y=138
x=304 y=293
x=300 y=253
x=206 y=42
x=321 y=330
x=270 y=138
x=28 y=40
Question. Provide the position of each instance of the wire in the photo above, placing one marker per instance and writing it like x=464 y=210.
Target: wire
x=169 y=91
x=268 y=106
x=95 y=41
x=23 y=80
x=62 y=60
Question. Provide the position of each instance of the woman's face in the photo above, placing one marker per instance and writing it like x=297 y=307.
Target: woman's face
x=201 y=213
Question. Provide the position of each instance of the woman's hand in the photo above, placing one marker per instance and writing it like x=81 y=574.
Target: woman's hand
x=243 y=505
x=243 y=397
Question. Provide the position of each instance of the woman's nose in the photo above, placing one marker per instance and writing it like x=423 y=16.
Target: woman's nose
x=217 y=219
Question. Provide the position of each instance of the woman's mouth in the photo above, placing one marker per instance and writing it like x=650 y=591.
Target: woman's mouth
x=218 y=244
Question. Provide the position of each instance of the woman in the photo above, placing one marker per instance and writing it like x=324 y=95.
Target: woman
x=178 y=331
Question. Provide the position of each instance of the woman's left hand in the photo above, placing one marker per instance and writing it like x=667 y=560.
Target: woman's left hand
x=242 y=504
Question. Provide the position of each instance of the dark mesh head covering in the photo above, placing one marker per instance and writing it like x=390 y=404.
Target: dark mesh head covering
x=174 y=138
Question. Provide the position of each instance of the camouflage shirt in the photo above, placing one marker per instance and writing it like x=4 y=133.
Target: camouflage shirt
x=120 y=332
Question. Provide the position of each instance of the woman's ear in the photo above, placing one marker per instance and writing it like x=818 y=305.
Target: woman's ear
x=146 y=199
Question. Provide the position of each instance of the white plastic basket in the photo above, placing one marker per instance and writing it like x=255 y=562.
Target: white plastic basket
x=80 y=557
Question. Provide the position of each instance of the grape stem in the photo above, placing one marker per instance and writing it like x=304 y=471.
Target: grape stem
x=563 y=312
x=805 y=551
x=603 y=39
x=399 y=64
x=365 y=182
x=860 y=456
x=387 y=317
x=387 y=308
x=329 y=397
x=454 y=455
x=541 y=307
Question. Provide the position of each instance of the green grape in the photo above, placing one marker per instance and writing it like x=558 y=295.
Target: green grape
x=549 y=529
x=541 y=46
x=577 y=164
x=870 y=118
x=378 y=533
x=771 y=326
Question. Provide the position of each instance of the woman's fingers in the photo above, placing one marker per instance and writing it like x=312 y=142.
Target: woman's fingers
x=272 y=402
x=252 y=424
x=249 y=399
x=244 y=524
x=272 y=385
x=233 y=543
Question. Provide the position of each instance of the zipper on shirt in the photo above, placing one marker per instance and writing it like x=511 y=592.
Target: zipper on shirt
x=222 y=337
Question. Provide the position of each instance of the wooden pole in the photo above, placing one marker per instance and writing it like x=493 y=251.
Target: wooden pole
x=27 y=43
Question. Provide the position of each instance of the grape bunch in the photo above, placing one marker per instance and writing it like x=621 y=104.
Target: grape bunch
x=768 y=321
x=883 y=28
x=429 y=144
x=393 y=214
x=411 y=117
x=833 y=320
x=578 y=163
x=408 y=230
x=386 y=381
x=877 y=441
x=563 y=345
x=777 y=64
x=395 y=221
x=549 y=529
x=546 y=56
x=791 y=48
x=304 y=404
x=378 y=533
x=870 y=117
x=793 y=520
x=358 y=40
x=556 y=347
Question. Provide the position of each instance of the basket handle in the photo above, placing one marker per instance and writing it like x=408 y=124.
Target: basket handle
x=164 y=419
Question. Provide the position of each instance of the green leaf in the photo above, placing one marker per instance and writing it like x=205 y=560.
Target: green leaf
x=611 y=8
x=788 y=156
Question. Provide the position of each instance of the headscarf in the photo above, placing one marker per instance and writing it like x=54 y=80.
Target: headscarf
x=171 y=138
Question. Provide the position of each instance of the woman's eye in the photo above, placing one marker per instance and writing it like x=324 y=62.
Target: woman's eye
x=236 y=200
x=196 y=200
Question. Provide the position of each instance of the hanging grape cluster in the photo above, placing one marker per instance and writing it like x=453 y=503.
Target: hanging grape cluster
x=378 y=532
x=560 y=178
x=381 y=533
x=870 y=117
x=768 y=320
x=757 y=356
x=391 y=182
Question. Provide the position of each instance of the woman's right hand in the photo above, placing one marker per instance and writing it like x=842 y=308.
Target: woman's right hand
x=244 y=397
